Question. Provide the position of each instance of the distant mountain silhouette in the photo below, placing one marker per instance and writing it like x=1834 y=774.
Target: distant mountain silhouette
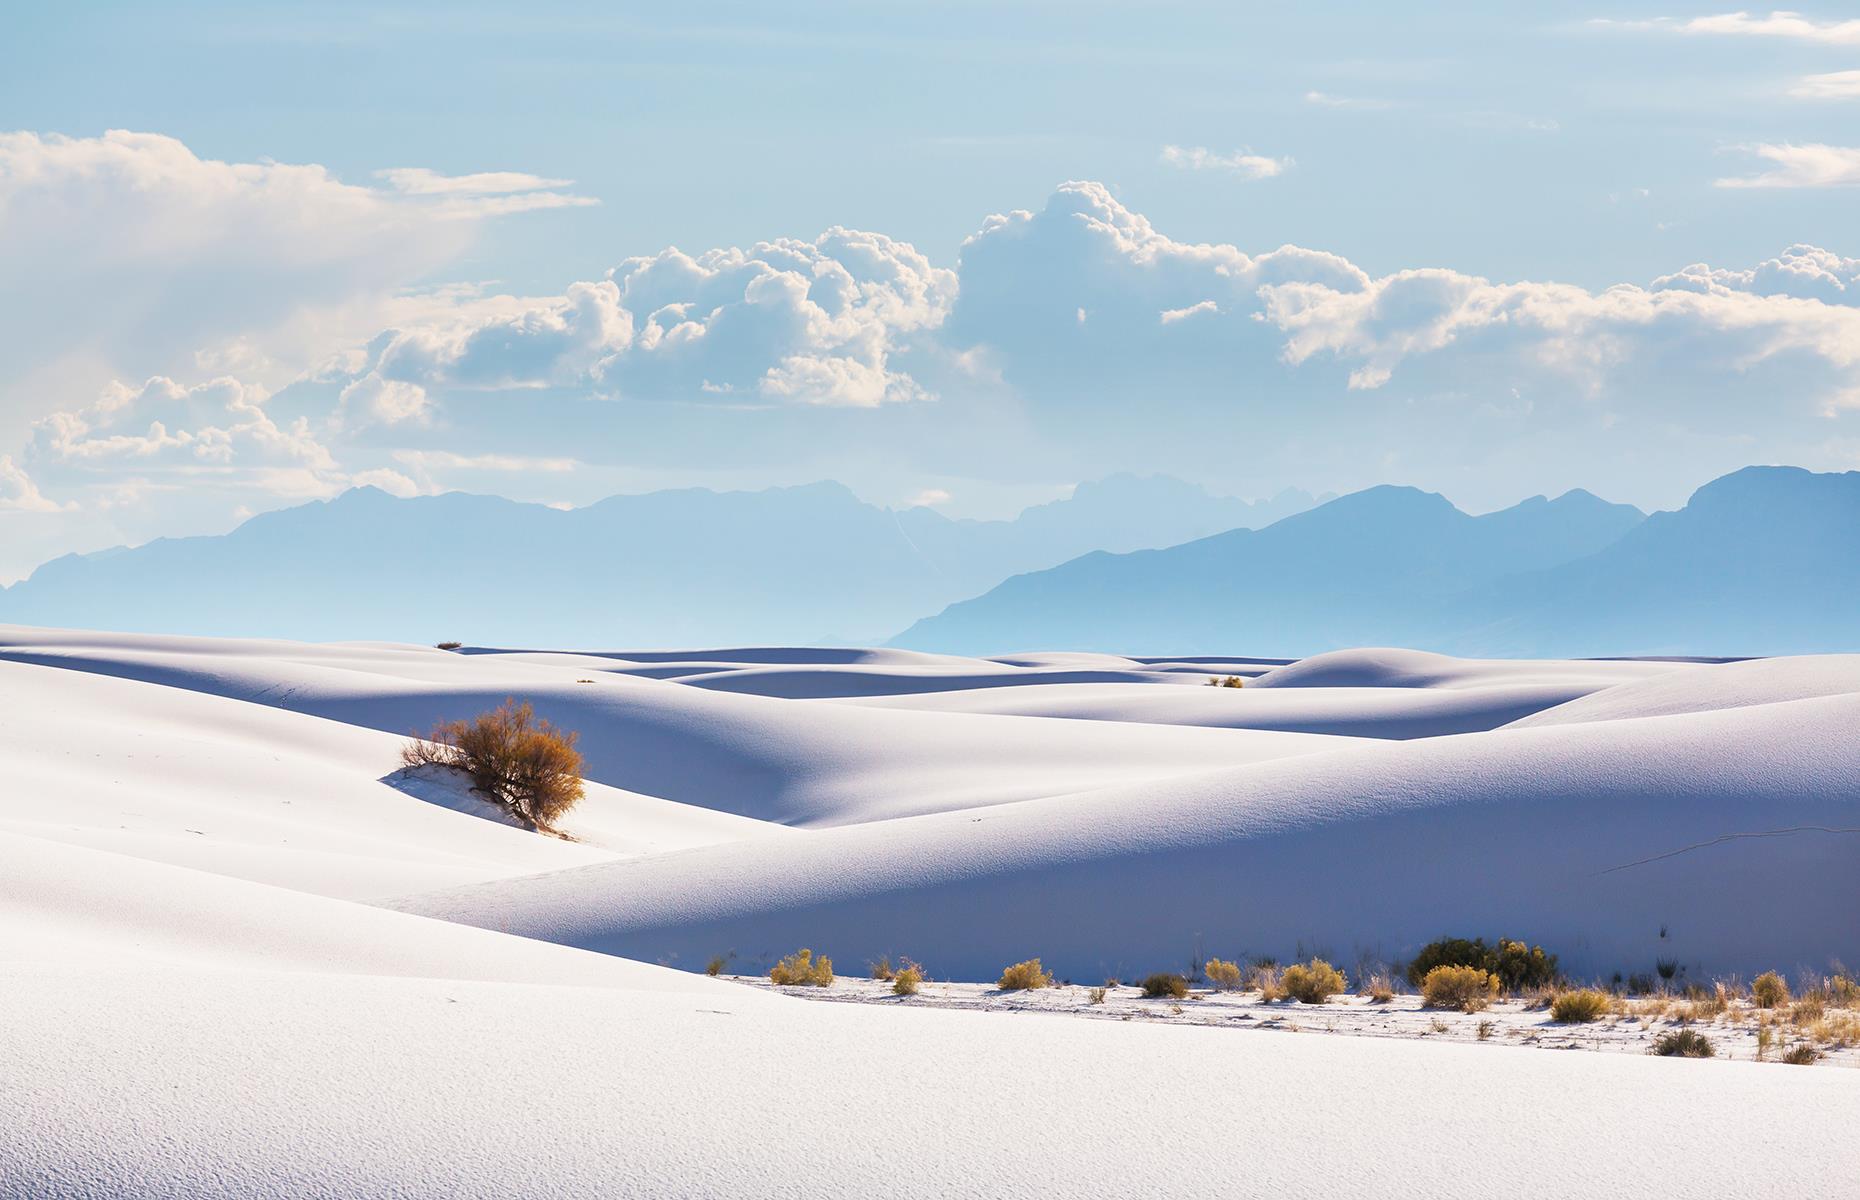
x=1765 y=560
x=1376 y=567
x=673 y=568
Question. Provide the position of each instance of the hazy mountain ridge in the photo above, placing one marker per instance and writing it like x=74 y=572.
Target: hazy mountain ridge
x=678 y=567
x=1765 y=560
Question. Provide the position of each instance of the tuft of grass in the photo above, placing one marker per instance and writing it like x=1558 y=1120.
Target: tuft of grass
x=1580 y=1006
x=715 y=966
x=802 y=969
x=1485 y=1030
x=1769 y=990
x=1801 y=1055
x=1843 y=992
x=1266 y=979
x=1379 y=988
x=513 y=756
x=1684 y=1043
x=1025 y=976
x=1097 y=995
x=882 y=971
x=1469 y=989
x=907 y=979
x=1312 y=983
x=1165 y=984
x=1225 y=976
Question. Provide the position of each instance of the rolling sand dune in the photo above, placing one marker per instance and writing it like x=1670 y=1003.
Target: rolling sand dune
x=207 y=992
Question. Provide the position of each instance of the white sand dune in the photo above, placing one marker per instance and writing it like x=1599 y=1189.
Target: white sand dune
x=1378 y=712
x=1730 y=685
x=198 y=1002
x=1729 y=840
x=768 y=759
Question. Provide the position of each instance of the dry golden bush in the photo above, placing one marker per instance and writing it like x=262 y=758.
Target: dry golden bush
x=1769 y=990
x=1843 y=992
x=1468 y=989
x=715 y=966
x=802 y=969
x=1312 y=983
x=881 y=970
x=1097 y=995
x=1580 y=1006
x=1266 y=982
x=907 y=979
x=1225 y=976
x=1025 y=976
x=513 y=756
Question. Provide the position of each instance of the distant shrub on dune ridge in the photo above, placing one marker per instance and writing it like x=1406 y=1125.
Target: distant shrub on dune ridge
x=1225 y=976
x=1580 y=1007
x=518 y=759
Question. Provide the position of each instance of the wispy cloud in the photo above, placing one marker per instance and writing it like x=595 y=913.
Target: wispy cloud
x=484 y=193
x=1835 y=85
x=1809 y=165
x=1240 y=162
x=1778 y=24
x=1361 y=103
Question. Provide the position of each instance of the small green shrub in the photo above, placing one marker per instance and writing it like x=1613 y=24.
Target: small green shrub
x=1769 y=990
x=802 y=969
x=1223 y=975
x=1025 y=976
x=1469 y=989
x=1580 y=1006
x=1312 y=983
x=1163 y=984
x=1684 y=1043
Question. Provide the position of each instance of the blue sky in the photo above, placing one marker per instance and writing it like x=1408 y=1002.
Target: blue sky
x=385 y=244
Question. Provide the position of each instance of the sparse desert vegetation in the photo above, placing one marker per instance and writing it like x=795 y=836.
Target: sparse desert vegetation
x=1469 y=989
x=1769 y=990
x=516 y=758
x=1312 y=983
x=1683 y=1043
x=1228 y=681
x=802 y=969
x=1024 y=976
x=907 y=980
x=1225 y=976
x=1580 y=1006
x=1165 y=984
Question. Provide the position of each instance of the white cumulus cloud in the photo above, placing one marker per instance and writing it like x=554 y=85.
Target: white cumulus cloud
x=1806 y=165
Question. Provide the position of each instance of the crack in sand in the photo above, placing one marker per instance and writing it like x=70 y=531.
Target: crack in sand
x=1730 y=837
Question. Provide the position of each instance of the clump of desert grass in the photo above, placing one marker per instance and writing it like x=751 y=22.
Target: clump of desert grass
x=1580 y=1006
x=907 y=979
x=1314 y=982
x=1164 y=984
x=715 y=966
x=1683 y=1043
x=802 y=969
x=1377 y=988
x=1025 y=976
x=1769 y=990
x=1801 y=1055
x=1232 y=681
x=1097 y=995
x=1225 y=976
x=1469 y=989
x=521 y=761
x=882 y=969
